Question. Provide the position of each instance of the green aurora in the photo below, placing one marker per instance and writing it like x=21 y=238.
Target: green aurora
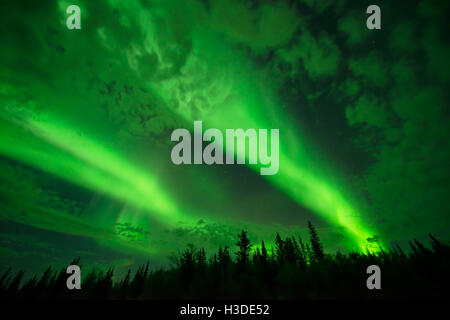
x=86 y=117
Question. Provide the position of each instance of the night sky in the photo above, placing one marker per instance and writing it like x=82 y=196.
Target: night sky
x=86 y=118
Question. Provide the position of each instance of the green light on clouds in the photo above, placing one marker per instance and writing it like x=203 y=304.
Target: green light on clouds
x=250 y=103
x=56 y=148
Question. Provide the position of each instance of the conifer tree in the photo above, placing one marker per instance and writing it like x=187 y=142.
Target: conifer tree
x=279 y=249
x=244 y=248
x=316 y=245
x=257 y=257
x=264 y=254
x=201 y=259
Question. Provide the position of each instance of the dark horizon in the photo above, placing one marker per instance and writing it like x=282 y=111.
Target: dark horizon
x=293 y=269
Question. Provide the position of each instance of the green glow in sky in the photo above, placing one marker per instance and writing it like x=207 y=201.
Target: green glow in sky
x=78 y=159
x=96 y=108
x=245 y=101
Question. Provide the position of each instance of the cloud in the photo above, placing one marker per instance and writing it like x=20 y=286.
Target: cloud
x=321 y=6
x=402 y=37
x=320 y=56
x=407 y=182
x=371 y=69
x=437 y=52
x=262 y=27
x=369 y=110
x=350 y=87
x=353 y=25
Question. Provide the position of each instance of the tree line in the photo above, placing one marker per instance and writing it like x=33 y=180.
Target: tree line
x=291 y=269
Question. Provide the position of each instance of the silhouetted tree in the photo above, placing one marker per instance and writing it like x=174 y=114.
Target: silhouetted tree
x=201 y=259
x=4 y=277
x=244 y=248
x=302 y=259
x=257 y=257
x=316 y=245
x=264 y=254
x=290 y=251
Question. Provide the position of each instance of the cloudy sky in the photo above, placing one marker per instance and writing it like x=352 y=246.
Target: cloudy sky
x=86 y=118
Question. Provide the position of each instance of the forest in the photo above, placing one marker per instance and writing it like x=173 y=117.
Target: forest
x=291 y=269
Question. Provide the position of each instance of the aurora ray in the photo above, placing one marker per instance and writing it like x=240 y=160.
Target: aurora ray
x=242 y=104
x=51 y=145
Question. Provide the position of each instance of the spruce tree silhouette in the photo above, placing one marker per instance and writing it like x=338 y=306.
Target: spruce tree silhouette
x=279 y=249
x=302 y=259
x=201 y=259
x=244 y=248
x=317 y=248
x=264 y=254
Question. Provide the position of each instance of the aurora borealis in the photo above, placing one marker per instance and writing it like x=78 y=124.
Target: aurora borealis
x=86 y=119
